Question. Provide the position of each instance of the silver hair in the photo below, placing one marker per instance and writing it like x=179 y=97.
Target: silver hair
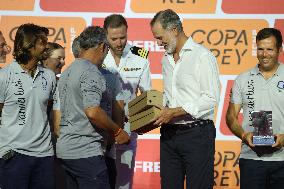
x=92 y=36
x=168 y=20
x=76 y=50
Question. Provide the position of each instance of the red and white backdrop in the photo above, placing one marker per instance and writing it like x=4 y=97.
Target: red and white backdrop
x=227 y=27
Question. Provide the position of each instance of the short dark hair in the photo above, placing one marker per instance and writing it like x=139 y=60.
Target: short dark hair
x=26 y=38
x=92 y=36
x=168 y=20
x=268 y=32
x=114 y=21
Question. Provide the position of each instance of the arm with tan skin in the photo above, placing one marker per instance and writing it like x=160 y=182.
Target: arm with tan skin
x=99 y=117
x=279 y=143
x=118 y=114
x=234 y=125
x=169 y=113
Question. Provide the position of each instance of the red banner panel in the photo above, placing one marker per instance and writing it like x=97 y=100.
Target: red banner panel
x=83 y=6
x=253 y=6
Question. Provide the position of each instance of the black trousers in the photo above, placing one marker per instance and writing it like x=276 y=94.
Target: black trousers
x=255 y=174
x=27 y=172
x=111 y=169
x=187 y=152
x=86 y=173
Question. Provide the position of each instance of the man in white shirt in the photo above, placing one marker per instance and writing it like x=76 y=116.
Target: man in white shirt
x=134 y=71
x=191 y=92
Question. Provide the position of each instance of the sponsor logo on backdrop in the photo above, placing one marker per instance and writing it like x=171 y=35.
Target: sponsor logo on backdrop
x=83 y=6
x=226 y=164
x=18 y=5
x=140 y=35
x=279 y=24
x=254 y=7
x=180 y=6
x=231 y=41
x=62 y=30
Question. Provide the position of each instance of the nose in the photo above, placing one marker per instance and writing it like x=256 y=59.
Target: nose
x=62 y=62
x=7 y=49
x=159 y=42
x=265 y=53
x=119 y=43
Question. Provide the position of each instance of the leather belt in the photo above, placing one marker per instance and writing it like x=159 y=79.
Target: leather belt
x=198 y=123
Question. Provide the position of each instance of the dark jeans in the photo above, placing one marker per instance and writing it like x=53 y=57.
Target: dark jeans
x=111 y=168
x=187 y=152
x=86 y=173
x=27 y=172
x=255 y=174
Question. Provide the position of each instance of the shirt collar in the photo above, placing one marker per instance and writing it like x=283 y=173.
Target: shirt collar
x=126 y=49
x=18 y=69
x=188 y=46
x=255 y=70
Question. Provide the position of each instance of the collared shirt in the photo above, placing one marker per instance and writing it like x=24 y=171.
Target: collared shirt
x=80 y=86
x=192 y=82
x=254 y=93
x=25 y=127
x=134 y=73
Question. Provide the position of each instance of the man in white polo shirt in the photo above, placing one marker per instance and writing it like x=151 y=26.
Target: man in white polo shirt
x=260 y=88
x=25 y=89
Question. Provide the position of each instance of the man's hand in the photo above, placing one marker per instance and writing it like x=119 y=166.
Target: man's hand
x=165 y=116
x=247 y=138
x=122 y=137
x=279 y=141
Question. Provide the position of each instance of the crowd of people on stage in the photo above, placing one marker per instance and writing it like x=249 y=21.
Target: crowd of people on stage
x=76 y=120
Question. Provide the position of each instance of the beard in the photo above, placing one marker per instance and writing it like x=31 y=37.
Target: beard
x=171 y=47
x=43 y=56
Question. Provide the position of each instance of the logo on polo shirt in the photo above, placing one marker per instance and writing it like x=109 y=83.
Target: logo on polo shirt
x=280 y=85
x=131 y=69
